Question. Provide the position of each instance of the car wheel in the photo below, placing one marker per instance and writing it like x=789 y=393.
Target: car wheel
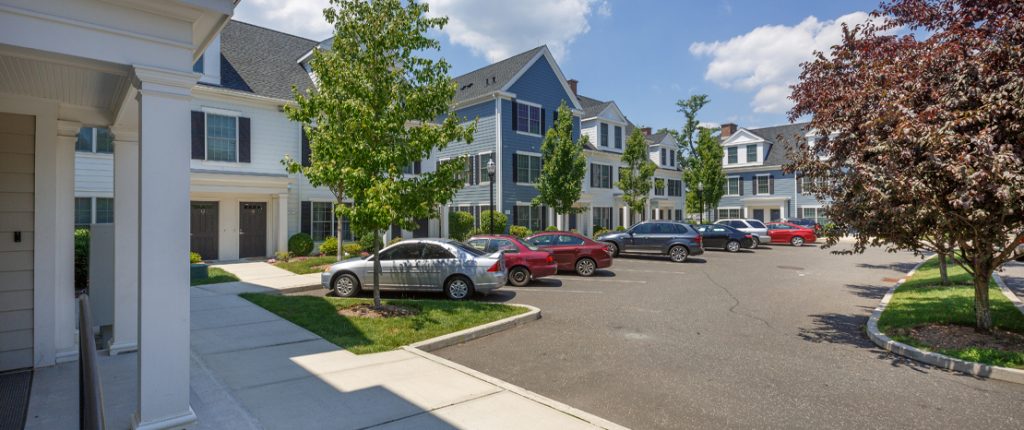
x=458 y=288
x=519 y=276
x=613 y=248
x=346 y=285
x=797 y=241
x=586 y=267
x=678 y=253
x=757 y=242
x=732 y=246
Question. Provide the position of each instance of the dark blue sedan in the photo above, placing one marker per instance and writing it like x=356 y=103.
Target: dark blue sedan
x=724 y=237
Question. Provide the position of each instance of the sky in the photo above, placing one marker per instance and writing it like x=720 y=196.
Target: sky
x=644 y=54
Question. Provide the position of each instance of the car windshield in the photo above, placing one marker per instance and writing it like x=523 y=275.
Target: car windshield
x=467 y=249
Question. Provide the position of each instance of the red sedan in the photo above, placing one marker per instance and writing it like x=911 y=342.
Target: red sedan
x=524 y=261
x=573 y=252
x=784 y=232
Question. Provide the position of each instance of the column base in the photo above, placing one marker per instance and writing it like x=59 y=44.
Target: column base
x=66 y=356
x=114 y=347
x=176 y=422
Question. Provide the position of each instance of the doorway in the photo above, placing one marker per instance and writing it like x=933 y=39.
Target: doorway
x=252 y=229
x=204 y=229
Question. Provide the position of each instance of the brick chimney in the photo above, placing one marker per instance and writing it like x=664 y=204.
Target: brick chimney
x=572 y=84
x=646 y=131
x=728 y=129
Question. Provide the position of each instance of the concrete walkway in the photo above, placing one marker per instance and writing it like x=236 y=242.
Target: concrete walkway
x=1013 y=275
x=269 y=276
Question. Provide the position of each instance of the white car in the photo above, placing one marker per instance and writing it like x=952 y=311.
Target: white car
x=752 y=226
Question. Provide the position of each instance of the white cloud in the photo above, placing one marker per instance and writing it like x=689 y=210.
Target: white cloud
x=500 y=29
x=767 y=59
x=299 y=17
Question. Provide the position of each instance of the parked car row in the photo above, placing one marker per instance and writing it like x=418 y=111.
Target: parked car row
x=487 y=262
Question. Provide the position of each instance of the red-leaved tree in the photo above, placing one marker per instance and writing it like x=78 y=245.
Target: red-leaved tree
x=919 y=116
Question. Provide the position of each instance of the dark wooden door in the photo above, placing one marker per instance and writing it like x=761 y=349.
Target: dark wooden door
x=204 y=229
x=422 y=228
x=252 y=229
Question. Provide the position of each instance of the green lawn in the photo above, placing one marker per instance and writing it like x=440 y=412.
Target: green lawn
x=366 y=335
x=217 y=276
x=304 y=265
x=921 y=301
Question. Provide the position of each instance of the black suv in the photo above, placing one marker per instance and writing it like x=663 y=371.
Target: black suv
x=672 y=238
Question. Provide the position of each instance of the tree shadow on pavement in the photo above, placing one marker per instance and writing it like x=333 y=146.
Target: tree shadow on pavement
x=837 y=328
x=868 y=291
x=897 y=267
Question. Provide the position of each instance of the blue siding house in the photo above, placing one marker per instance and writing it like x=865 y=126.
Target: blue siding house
x=756 y=186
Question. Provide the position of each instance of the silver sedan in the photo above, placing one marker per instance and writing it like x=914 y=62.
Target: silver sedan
x=421 y=265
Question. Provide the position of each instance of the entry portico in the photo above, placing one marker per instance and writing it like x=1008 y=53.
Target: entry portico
x=126 y=65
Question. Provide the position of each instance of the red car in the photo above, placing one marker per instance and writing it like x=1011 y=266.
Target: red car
x=784 y=232
x=524 y=261
x=573 y=252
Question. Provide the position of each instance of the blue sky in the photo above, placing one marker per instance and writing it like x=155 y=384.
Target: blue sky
x=643 y=54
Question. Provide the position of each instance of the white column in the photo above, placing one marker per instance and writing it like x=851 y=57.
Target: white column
x=443 y=221
x=282 y=222
x=163 y=359
x=126 y=242
x=782 y=211
x=745 y=213
x=588 y=223
x=65 y=309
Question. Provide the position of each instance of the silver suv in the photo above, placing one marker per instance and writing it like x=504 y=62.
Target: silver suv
x=752 y=226
x=672 y=238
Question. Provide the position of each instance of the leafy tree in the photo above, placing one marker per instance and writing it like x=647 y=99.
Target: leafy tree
x=459 y=225
x=498 y=219
x=377 y=106
x=705 y=167
x=561 y=175
x=635 y=177
x=689 y=108
x=919 y=121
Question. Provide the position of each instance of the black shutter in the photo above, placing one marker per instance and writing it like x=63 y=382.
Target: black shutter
x=544 y=217
x=306 y=217
x=515 y=114
x=799 y=186
x=543 y=120
x=593 y=175
x=771 y=184
x=741 y=185
x=244 y=146
x=515 y=215
x=198 y=135
x=515 y=170
x=417 y=167
x=306 y=152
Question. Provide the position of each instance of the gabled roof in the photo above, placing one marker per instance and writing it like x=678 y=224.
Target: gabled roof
x=592 y=107
x=788 y=135
x=493 y=77
x=655 y=138
x=262 y=61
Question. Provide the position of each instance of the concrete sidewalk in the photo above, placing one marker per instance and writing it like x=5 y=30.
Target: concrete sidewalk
x=287 y=377
x=267 y=275
x=1013 y=275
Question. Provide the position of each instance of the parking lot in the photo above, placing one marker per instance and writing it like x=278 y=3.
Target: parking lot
x=765 y=338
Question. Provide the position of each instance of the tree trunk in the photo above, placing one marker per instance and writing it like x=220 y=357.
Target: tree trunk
x=376 y=270
x=982 y=313
x=942 y=268
x=341 y=241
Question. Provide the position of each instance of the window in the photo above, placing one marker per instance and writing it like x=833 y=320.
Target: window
x=732 y=155
x=618 y=137
x=436 y=252
x=604 y=135
x=664 y=157
x=221 y=138
x=484 y=159
x=728 y=213
x=679 y=214
x=646 y=228
x=527 y=168
x=502 y=245
x=761 y=185
x=807 y=184
x=402 y=251
x=93 y=210
x=602 y=218
x=323 y=220
x=528 y=117
x=104 y=210
x=480 y=244
x=751 y=153
x=732 y=186
x=467 y=170
x=672 y=158
x=530 y=217
x=198 y=66
x=659 y=187
x=564 y=239
x=600 y=176
x=98 y=140
x=675 y=188
x=817 y=214
x=756 y=224
x=543 y=240
x=83 y=211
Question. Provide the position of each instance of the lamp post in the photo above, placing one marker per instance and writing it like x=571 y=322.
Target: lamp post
x=490 y=175
x=700 y=197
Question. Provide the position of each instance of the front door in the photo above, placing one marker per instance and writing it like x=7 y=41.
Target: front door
x=776 y=215
x=252 y=229
x=204 y=229
x=17 y=239
x=759 y=214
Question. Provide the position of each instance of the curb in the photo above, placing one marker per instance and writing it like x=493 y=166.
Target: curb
x=938 y=360
x=1008 y=292
x=471 y=333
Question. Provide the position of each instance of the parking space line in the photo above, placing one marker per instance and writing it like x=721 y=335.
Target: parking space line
x=551 y=290
x=618 y=281
x=647 y=271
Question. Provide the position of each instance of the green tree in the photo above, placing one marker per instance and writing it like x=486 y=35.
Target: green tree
x=376 y=106
x=705 y=171
x=561 y=175
x=637 y=174
x=689 y=108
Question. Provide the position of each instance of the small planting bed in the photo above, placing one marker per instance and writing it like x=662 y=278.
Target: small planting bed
x=936 y=318
x=304 y=265
x=347 y=323
x=216 y=276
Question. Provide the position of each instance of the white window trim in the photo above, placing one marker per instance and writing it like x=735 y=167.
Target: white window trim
x=738 y=185
x=727 y=163
x=757 y=182
x=527 y=133
x=531 y=154
x=206 y=133
x=729 y=208
x=497 y=168
x=611 y=175
x=611 y=128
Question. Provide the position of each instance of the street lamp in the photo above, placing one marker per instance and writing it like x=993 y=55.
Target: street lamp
x=490 y=174
x=700 y=197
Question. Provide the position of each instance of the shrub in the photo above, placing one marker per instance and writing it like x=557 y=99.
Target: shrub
x=476 y=231
x=500 y=222
x=599 y=231
x=329 y=246
x=282 y=256
x=519 y=231
x=366 y=241
x=194 y=257
x=352 y=248
x=620 y=228
x=394 y=240
x=551 y=228
x=300 y=244
x=81 y=258
x=459 y=225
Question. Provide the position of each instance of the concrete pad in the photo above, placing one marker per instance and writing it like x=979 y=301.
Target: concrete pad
x=248 y=336
x=336 y=361
x=254 y=270
x=230 y=316
x=261 y=366
x=504 y=410
x=199 y=292
x=217 y=301
x=235 y=288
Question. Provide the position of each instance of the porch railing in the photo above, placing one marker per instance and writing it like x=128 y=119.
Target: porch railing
x=90 y=391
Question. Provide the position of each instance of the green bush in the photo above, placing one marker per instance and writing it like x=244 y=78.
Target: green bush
x=500 y=222
x=551 y=228
x=352 y=248
x=476 y=231
x=519 y=231
x=459 y=225
x=194 y=257
x=282 y=256
x=300 y=244
x=366 y=241
x=394 y=240
x=620 y=228
x=81 y=258
x=329 y=246
x=599 y=231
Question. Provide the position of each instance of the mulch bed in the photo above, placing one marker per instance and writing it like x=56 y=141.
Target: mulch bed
x=941 y=336
x=366 y=310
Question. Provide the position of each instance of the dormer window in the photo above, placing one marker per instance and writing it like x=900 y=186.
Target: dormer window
x=664 y=157
x=751 y=153
x=732 y=155
x=604 y=135
x=672 y=158
x=618 y=137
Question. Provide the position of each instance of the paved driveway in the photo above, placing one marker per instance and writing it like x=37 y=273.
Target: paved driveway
x=765 y=339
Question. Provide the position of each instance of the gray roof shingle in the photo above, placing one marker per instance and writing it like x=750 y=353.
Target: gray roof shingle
x=492 y=77
x=788 y=135
x=592 y=107
x=262 y=61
